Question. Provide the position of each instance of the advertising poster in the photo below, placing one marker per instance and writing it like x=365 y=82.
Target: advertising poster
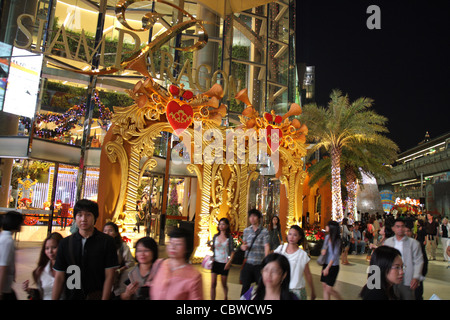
x=5 y=54
x=387 y=199
x=23 y=83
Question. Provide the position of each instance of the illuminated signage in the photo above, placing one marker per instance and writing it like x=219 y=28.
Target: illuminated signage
x=23 y=83
x=142 y=60
x=414 y=202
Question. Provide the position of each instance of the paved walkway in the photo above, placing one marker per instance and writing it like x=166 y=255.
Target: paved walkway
x=350 y=280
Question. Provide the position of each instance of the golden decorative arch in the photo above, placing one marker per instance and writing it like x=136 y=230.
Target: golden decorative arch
x=223 y=187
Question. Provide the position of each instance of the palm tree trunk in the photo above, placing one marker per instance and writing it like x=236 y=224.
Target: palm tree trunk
x=351 y=186
x=336 y=196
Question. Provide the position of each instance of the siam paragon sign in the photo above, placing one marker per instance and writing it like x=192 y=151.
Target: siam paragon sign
x=141 y=60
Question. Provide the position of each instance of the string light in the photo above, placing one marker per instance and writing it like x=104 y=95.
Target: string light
x=67 y=121
x=336 y=197
x=351 y=187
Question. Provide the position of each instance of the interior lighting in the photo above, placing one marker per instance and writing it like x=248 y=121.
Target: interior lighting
x=420 y=152
x=405 y=181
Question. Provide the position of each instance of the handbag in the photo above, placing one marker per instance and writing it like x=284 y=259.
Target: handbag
x=321 y=260
x=34 y=294
x=207 y=262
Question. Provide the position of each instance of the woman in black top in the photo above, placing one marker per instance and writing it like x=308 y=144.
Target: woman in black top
x=444 y=237
x=275 y=237
x=421 y=237
x=386 y=269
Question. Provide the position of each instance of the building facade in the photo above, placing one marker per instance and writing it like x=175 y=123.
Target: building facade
x=56 y=108
x=420 y=178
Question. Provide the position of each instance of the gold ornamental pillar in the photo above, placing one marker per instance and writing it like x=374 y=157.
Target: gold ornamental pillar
x=292 y=176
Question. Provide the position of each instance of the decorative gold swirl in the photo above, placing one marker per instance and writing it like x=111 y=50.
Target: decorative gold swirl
x=116 y=152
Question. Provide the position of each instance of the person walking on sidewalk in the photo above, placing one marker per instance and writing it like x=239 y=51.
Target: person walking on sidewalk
x=176 y=278
x=256 y=245
x=124 y=256
x=346 y=234
x=10 y=223
x=274 y=281
x=389 y=262
x=299 y=263
x=222 y=247
x=275 y=236
x=44 y=275
x=412 y=259
x=332 y=249
x=447 y=250
x=137 y=280
x=432 y=229
x=91 y=256
x=444 y=231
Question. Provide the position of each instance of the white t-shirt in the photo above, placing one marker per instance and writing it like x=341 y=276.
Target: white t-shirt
x=46 y=282
x=7 y=259
x=399 y=244
x=297 y=261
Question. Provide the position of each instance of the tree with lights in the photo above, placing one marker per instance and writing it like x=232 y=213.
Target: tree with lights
x=346 y=127
x=368 y=158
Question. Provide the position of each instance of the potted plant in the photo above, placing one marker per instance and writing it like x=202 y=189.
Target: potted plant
x=237 y=241
x=314 y=238
x=172 y=209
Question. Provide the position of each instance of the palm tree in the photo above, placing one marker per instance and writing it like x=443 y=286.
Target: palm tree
x=342 y=127
x=370 y=159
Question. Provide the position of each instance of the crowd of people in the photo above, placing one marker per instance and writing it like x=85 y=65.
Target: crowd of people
x=92 y=265
x=400 y=246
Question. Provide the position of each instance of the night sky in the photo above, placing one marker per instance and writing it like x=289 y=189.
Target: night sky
x=404 y=66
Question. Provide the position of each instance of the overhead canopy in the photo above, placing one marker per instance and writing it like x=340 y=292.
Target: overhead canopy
x=226 y=7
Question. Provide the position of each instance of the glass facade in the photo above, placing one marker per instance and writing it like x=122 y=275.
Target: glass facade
x=60 y=114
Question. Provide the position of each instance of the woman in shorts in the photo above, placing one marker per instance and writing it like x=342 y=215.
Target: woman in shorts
x=330 y=270
x=223 y=252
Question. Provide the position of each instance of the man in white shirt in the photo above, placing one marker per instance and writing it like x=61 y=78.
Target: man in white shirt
x=412 y=259
x=10 y=223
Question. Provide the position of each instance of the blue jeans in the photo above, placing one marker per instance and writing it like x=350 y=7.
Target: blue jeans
x=356 y=245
